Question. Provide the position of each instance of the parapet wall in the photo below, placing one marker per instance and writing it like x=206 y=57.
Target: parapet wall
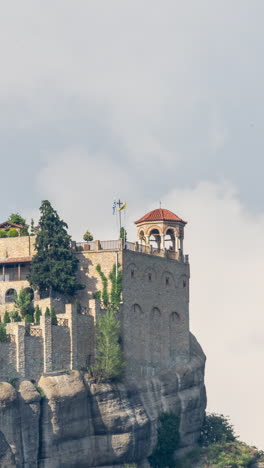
x=33 y=350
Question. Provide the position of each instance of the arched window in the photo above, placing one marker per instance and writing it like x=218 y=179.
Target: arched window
x=170 y=243
x=155 y=238
x=10 y=295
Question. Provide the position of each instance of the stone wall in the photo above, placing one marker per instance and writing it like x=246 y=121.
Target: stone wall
x=8 y=369
x=86 y=341
x=17 y=247
x=155 y=316
x=33 y=357
x=87 y=274
x=61 y=348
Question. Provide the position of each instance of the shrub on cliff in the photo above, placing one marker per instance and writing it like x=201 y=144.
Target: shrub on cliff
x=216 y=429
x=109 y=362
x=167 y=441
x=54 y=266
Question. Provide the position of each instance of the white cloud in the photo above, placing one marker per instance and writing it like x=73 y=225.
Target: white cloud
x=225 y=242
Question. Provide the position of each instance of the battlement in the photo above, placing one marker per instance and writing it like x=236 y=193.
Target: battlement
x=32 y=350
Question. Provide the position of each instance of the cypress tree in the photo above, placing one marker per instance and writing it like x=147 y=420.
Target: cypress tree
x=54 y=266
x=37 y=315
x=109 y=358
x=53 y=315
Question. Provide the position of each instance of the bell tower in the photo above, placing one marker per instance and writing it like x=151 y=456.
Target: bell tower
x=161 y=229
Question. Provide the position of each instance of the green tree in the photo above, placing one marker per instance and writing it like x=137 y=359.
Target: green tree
x=104 y=294
x=3 y=335
x=3 y=233
x=115 y=277
x=167 y=441
x=87 y=236
x=53 y=315
x=216 y=429
x=32 y=227
x=29 y=318
x=16 y=218
x=15 y=317
x=23 y=303
x=54 y=266
x=109 y=363
x=6 y=317
x=12 y=232
x=47 y=312
x=37 y=315
x=123 y=234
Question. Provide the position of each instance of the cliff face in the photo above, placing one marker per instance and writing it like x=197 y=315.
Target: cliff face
x=82 y=424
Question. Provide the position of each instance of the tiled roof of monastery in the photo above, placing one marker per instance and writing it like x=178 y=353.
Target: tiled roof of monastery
x=159 y=215
x=15 y=260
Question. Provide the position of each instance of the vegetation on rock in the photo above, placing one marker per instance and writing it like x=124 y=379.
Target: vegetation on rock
x=216 y=429
x=109 y=362
x=167 y=441
x=54 y=266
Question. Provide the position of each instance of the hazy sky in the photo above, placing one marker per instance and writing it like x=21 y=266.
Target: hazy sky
x=148 y=101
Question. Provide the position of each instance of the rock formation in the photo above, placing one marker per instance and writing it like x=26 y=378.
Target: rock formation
x=79 y=423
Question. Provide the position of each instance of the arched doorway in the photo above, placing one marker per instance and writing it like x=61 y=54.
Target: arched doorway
x=10 y=295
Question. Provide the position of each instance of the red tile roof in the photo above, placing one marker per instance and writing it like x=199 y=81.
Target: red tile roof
x=159 y=215
x=15 y=260
x=8 y=224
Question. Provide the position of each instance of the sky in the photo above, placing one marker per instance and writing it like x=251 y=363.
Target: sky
x=151 y=101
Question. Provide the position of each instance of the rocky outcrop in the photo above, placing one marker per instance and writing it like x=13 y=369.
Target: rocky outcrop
x=80 y=423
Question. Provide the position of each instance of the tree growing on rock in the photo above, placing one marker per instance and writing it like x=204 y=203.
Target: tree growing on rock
x=109 y=363
x=54 y=266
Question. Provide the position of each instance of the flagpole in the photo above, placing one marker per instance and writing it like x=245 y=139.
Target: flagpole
x=119 y=203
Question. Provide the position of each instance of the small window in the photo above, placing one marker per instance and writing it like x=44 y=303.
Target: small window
x=167 y=281
x=184 y=283
x=132 y=273
x=149 y=276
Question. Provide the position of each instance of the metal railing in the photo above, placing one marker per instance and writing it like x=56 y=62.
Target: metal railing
x=110 y=245
x=134 y=246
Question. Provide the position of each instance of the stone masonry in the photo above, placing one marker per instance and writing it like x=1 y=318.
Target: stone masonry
x=154 y=312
